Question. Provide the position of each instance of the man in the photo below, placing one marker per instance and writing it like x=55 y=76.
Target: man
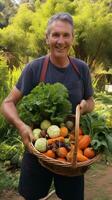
x=35 y=180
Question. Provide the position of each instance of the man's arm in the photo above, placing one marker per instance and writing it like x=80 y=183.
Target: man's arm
x=87 y=106
x=8 y=109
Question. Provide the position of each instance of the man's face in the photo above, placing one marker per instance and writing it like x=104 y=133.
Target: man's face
x=60 y=38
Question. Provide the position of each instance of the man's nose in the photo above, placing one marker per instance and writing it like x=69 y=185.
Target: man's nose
x=61 y=39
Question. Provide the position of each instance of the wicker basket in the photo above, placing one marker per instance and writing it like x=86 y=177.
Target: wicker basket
x=66 y=168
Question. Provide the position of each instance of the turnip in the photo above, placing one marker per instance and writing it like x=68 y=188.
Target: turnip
x=36 y=133
x=41 y=144
x=53 y=131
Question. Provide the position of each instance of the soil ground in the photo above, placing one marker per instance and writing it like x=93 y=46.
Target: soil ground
x=98 y=185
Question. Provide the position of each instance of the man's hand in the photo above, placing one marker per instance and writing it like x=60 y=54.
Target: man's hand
x=87 y=106
x=8 y=109
x=27 y=137
x=83 y=106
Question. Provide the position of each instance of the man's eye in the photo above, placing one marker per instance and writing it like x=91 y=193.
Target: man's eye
x=55 y=35
x=66 y=35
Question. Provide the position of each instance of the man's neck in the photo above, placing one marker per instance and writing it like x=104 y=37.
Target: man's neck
x=60 y=62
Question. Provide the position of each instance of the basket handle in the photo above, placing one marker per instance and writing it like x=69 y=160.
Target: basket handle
x=77 y=120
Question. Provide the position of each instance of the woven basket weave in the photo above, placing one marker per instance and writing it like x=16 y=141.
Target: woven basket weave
x=66 y=168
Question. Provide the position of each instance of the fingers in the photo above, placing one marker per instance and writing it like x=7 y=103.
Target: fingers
x=83 y=106
x=27 y=137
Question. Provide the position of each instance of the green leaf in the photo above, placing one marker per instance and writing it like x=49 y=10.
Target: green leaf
x=109 y=142
x=99 y=146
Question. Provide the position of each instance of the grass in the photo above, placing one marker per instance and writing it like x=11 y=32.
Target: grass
x=8 y=179
x=104 y=98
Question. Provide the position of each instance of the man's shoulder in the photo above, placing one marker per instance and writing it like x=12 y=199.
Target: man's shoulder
x=79 y=62
x=81 y=65
x=36 y=62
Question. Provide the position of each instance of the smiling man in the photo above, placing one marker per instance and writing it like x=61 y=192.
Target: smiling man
x=73 y=73
x=59 y=37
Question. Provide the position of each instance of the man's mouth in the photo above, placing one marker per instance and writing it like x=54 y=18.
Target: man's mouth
x=60 y=48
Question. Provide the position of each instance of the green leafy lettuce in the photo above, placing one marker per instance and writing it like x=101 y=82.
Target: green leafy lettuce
x=46 y=101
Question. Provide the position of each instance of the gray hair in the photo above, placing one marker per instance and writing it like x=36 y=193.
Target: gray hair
x=62 y=17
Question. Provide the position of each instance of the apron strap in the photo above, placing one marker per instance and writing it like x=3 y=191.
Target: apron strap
x=45 y=65
x=44 y=69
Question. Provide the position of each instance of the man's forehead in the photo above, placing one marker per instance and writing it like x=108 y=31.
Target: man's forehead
x=61 y=25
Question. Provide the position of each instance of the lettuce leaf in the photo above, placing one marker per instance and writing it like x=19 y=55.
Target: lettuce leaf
x=46 y=101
